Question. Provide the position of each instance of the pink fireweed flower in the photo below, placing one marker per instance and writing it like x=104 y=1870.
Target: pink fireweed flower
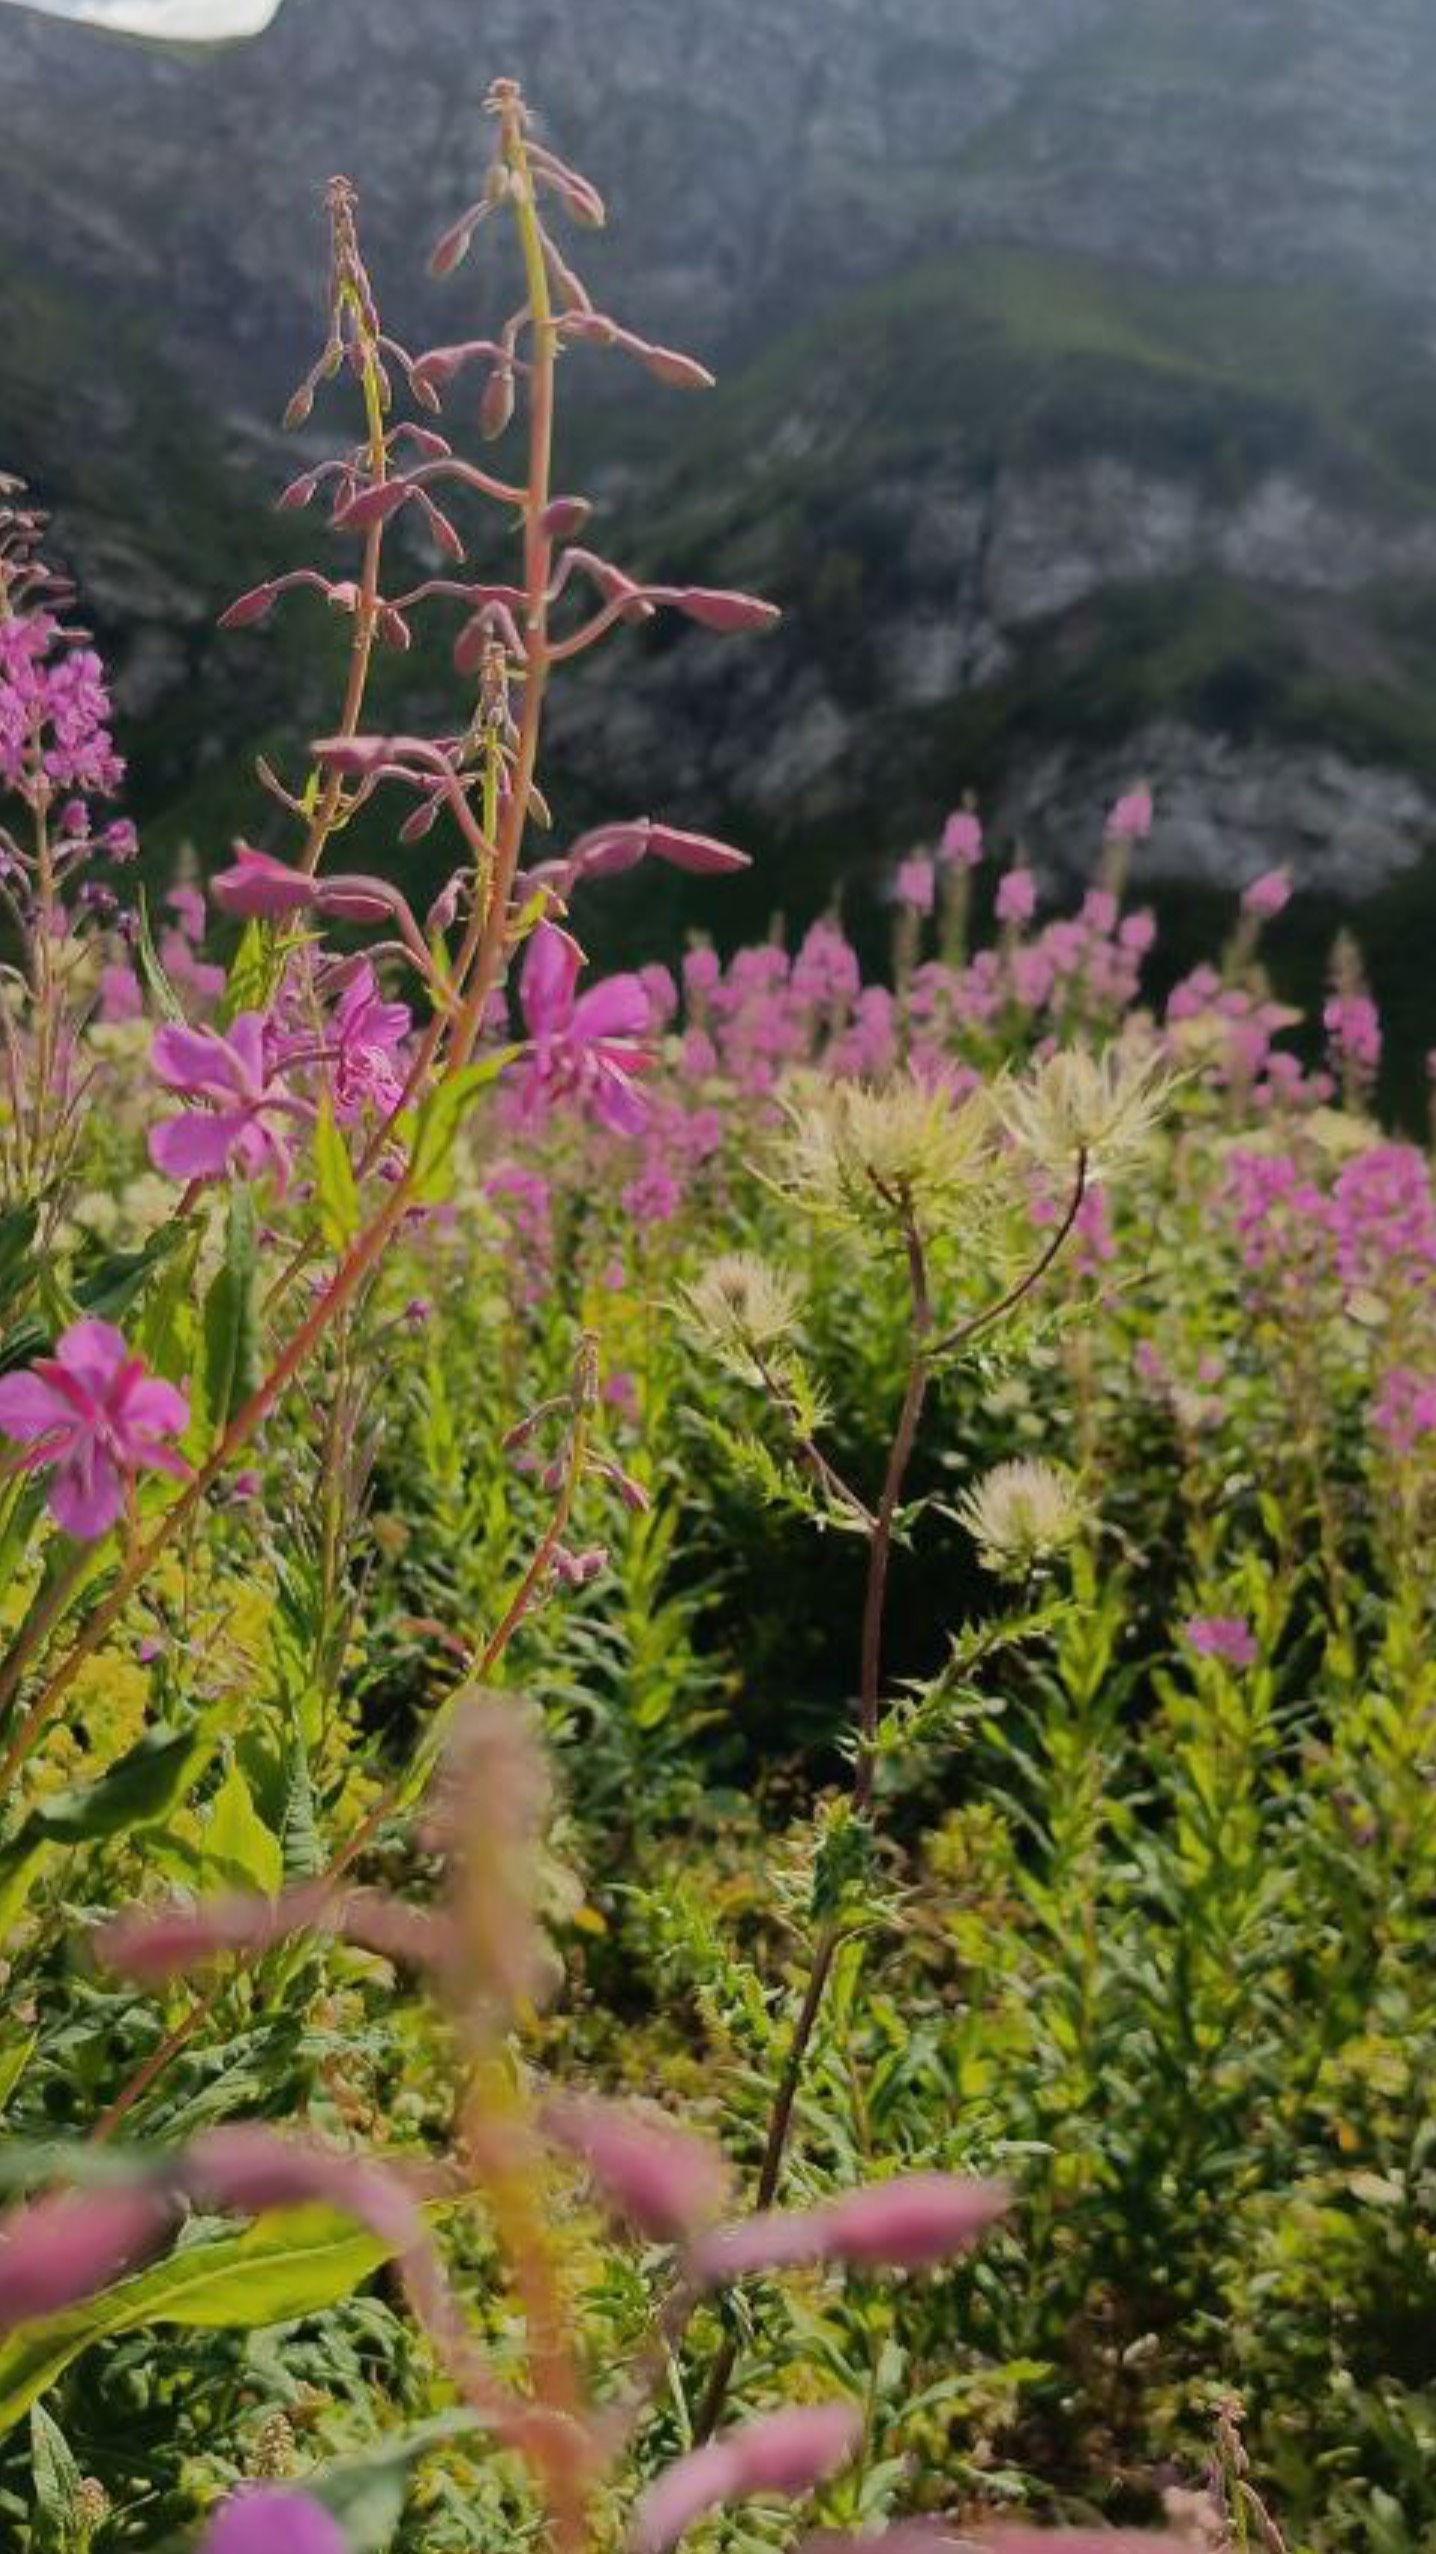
x=1353 y=1026
x=1131 y=819
x=916 y=885
x=247 y=1099
x=56 y=2251
x=369 y=1034
x=787 y=2453
x=1225 y=1636
x=961 y=843
x=95 y=1418
x=1267 y=896
x=583 y=1047
x=1017 y=897
x=266 y=2520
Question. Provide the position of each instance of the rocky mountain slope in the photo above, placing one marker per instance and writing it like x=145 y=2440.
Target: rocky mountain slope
x=1079 y=387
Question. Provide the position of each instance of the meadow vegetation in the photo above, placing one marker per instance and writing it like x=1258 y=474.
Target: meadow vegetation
x=715 y=1722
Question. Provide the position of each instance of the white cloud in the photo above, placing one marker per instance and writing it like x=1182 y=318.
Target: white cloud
x=195 y=21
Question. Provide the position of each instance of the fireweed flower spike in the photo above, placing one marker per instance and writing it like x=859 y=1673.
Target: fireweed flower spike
x=247 y=1101
x=95 y=1418
x=266 y=2520
x=584 y=1048
x=787 y=2453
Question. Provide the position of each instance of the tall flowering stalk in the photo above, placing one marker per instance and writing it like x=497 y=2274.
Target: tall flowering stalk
x=482 y=779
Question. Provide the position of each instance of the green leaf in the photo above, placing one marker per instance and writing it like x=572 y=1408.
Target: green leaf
x=109 y=1289
x=56 y=2478
x=299 y=1832
x=137 y=1791
x=229 y=1324
x=13 y=2062
x=290 y=2263
x=258 y=964
x=17 y=1234
x=239 y=1849
x=161 y=991
x=437 y=1125
x=335 y=1184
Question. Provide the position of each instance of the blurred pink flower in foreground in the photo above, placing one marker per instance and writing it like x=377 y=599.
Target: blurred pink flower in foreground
x=786 y=2452
x=270 y=2521
x=658 y=2176
x=59 y=2250
x=95 y=1415
x=584 y=1046
x=908 y=2223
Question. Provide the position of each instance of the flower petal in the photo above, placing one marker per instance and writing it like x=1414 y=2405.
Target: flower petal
x=86 y=1495
x=29 y=1409
x=550 y=972
x=616 y=1008
x=196 y=1145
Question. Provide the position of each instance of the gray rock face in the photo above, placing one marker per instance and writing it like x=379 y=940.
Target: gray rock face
x=769 y=163
x=1227 y=814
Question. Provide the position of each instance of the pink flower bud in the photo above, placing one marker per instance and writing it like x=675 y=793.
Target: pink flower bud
x=444 y=909
x=422 y=820
x=356 y=756
x=496 y=408
x=356 y=899
x=719 y=610
x=258 y=887
x=563 y=517
x=57 y=2251
x=453 y=248
x=441 y=364
x=787 y=2452
x=300 y=407
x=661 y=2179
x=681 y=372
x=262 y=2520
x=700 y=854
x=248 y=607
x=298 y=493
x=372 y=505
